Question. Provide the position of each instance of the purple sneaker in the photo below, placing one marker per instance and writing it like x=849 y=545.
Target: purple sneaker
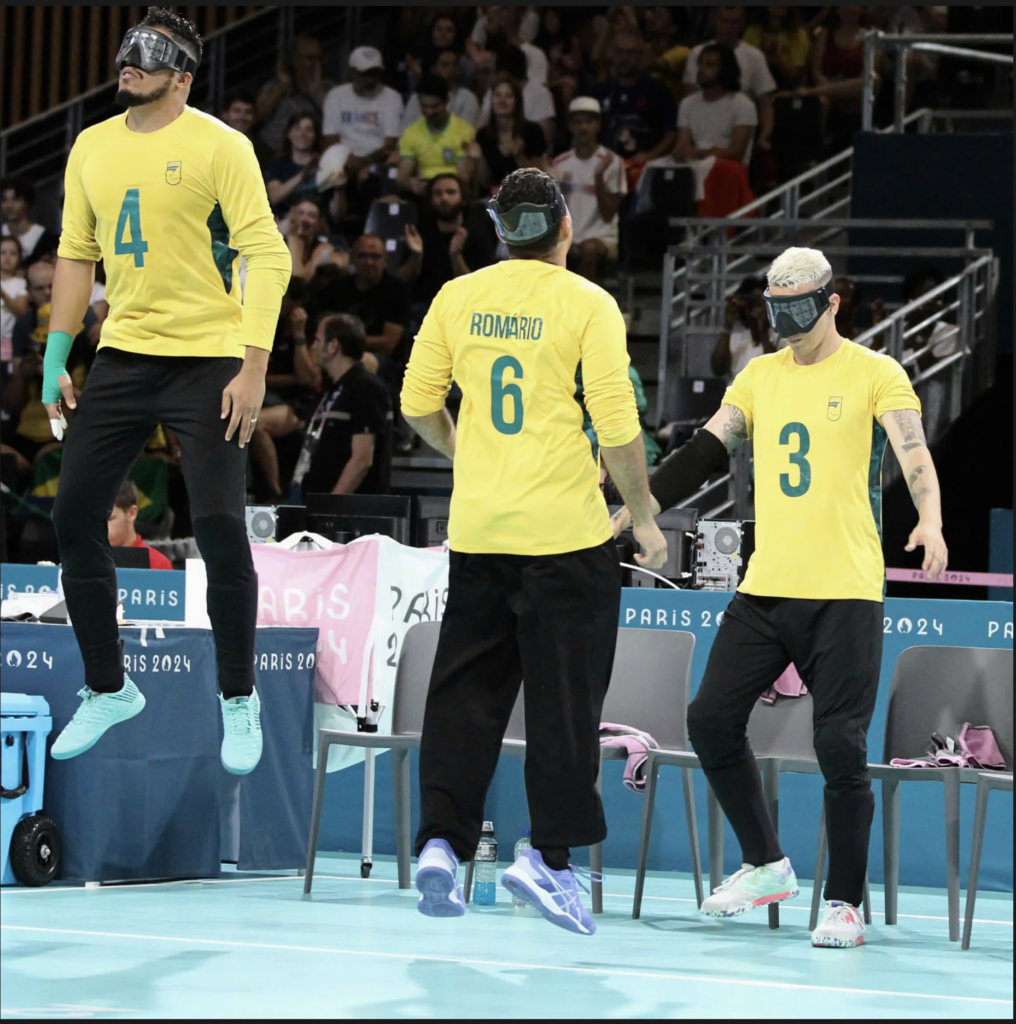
x=554 y=893
x=437 y=879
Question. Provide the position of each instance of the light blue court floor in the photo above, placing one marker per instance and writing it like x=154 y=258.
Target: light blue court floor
x=254 y=946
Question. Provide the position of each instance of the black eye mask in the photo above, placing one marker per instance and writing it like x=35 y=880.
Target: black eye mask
x=790 y=315
x=152 y=51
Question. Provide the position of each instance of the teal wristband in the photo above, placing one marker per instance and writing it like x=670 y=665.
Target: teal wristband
x=54 y=365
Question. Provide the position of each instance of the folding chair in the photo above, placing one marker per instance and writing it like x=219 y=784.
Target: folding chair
x=412 y=682
x=937 y=689
x=986 y=782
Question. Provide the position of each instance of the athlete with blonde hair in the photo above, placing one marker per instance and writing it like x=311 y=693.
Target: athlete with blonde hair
x=819 y=412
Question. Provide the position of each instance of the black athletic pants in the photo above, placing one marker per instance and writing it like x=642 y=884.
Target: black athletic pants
x=551 y=620
x=125 y=398
x=836 y=647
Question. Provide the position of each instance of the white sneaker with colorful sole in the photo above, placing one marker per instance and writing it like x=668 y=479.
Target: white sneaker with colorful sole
x=841 y=927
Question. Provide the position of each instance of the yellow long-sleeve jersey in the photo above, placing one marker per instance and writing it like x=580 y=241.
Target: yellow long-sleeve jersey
x=170 y=213
x=514 y=336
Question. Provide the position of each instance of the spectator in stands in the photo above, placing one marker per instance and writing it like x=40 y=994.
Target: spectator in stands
x=537 y=99
x=593 y=182
x=746 y=332
x=667 y=48
x=436 y=143
x=756 y=79
x=292 y=176
x=785 y=43
x=441 y=34
x=719 y=120
x=508 y=140
x=365 y=117
x=559 y=40
x=462 y=102
x=941 y=338
x=348 y=445
x=849 y=308
x=501 y=27
x=837 y=69
x=452 y=240
x=13 y=301
x=240 y=113
x=17 y=197
x=297 y=88
x=121 y=526
x=308 y=242
x=639 y=113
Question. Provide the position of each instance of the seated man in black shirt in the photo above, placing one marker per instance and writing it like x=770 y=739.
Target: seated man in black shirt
x=453 y=239
x=348 y=445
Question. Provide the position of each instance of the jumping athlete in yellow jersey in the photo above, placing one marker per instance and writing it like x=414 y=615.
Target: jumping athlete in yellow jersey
x=168 y=198
x=534 y=585
x=819 y=413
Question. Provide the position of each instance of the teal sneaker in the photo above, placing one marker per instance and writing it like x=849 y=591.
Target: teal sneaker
x=751 y=887
x=241 y=733
x=98 y=711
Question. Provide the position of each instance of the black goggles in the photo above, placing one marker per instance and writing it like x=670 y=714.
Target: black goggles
x=527 y=222
x=796 y=314
x=152 y=51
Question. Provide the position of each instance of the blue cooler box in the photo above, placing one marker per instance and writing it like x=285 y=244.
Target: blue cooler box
x=34 y=858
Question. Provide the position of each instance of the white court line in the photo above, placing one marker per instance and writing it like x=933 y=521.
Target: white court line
x=127 y=886
x=510 y=965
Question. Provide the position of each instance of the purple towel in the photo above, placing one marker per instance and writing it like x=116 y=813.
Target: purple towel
x=976 y=747
x=636 y=743
x=788 y=685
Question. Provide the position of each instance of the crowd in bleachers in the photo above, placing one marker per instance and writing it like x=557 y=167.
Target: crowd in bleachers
x=378 y=183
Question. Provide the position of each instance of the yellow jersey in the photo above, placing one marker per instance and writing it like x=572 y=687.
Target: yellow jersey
x=514 y=336
x=818 y=446
x=436 y=152
x=169 y=213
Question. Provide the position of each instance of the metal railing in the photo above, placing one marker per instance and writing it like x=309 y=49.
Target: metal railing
x=241 y=55
x=875 y=41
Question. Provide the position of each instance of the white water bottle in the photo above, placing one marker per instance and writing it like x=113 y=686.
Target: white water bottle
x=524 y=843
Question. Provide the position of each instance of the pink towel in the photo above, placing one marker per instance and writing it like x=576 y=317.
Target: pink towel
x=636 y=743
x=975 y=747
x=788 y=685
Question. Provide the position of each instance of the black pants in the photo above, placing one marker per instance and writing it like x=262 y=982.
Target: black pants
x=836 y=647
x=550 y=620
x=125 y=398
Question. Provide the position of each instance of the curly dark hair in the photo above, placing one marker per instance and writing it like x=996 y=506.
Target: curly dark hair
x=530 y=185
x=185 y=33
x=730 y=70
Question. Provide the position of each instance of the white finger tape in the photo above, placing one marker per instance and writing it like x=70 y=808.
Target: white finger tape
x=58 y=427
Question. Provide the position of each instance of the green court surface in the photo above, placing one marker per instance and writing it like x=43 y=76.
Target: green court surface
x=255 y=946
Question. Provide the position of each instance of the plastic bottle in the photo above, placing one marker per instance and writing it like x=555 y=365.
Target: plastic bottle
x=485 y=868
x=521 y=846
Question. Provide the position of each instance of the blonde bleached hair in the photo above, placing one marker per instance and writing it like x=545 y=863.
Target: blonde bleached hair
x=798 y=266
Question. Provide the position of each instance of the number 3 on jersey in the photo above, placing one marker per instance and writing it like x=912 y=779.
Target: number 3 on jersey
x=499 y=391
x=796 y=459
x=130 y=217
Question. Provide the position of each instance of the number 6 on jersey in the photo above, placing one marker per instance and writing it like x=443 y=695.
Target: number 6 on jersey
x=499 y=391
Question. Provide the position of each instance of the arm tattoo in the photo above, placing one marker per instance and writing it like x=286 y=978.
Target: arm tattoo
x=919 y=490
x=909 y=422
x=735 y=430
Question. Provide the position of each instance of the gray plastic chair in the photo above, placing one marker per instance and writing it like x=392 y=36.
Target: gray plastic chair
x=986 y=782
x=937 y=689
x=781 y=736
x=412 y=682
x=648 y=691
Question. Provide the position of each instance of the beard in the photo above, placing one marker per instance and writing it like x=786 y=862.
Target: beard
x=127 y=98
x=449 y=213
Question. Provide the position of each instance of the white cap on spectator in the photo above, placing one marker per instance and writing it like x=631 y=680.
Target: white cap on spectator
x=584 y=105
x=366 y=58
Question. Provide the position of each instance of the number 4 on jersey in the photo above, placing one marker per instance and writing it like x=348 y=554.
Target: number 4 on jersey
x=130 y=217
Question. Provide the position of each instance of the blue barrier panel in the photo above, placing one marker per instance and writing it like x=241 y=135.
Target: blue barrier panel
x=907 y=622
x=154 y=594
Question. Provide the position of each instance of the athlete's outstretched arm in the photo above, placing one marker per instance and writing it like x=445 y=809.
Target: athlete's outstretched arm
x=437 y=429
x=906 y=435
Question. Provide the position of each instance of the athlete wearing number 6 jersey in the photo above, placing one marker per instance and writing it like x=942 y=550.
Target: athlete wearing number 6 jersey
x=819 y=413
x=534 y=585
x=168 y=198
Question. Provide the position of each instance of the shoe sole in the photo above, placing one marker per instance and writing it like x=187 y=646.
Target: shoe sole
x=135 y=709
x=435 y=886
x=763 y=902
x=828 y=942
x=521 y=891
